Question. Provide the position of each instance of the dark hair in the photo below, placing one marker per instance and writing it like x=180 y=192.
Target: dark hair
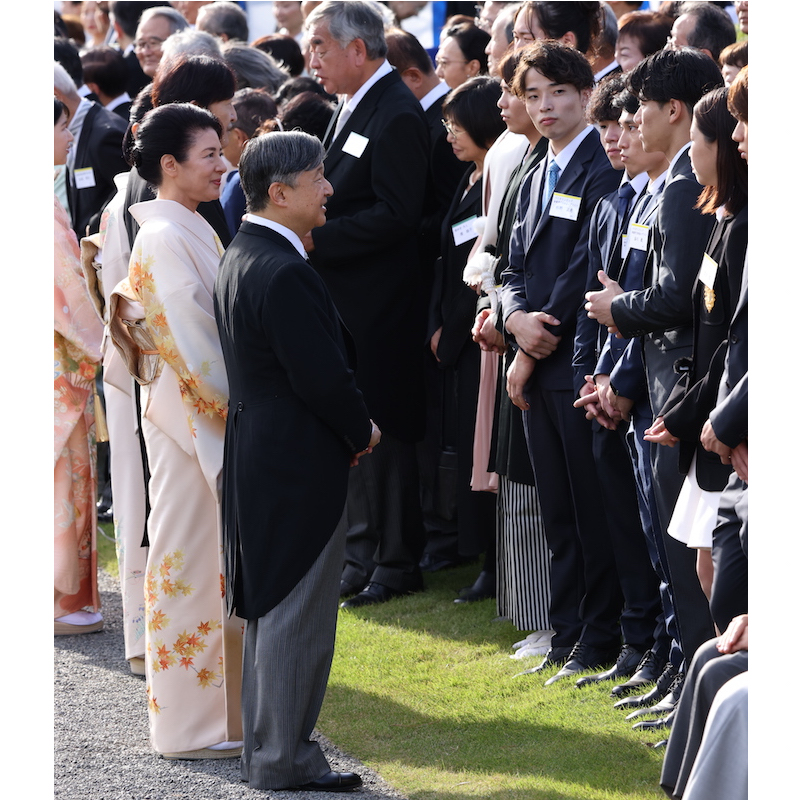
x=106 y=67
x=65 y=52
x=169 y=130
x=716 y=124
x=127 y=13
x=713 y=28
x=252 y=106
x=277 y=157
x=557 y=62
x=626 y=101
x=198 y=79
x=472 y=42
x=308 y=111
x=59 y=109
x=508 y=66
x=601 y=102
x=406 y=51
x=734 y=55
x=225 y=18
x=683 y=74
x=285 y=50
x=737 y=95
x=142 y=103
x=473 y=107
x=303 y=83
x=584 y=19
x=650 y=29
x=59 y=27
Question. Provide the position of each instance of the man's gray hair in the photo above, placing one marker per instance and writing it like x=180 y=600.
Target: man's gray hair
x=355 y=19
x=224 y=18
x=191 y=42
x=253 y=67
x=177 y=22
x=277 y=157
x=63 y=82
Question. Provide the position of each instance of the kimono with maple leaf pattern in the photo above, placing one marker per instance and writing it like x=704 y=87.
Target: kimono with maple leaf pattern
x=193 y=650
x=78 y=332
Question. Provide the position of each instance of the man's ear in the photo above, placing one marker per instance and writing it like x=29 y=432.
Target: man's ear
x=569 y=38
x=277 y=194
x=678 y=110
x=360 y=51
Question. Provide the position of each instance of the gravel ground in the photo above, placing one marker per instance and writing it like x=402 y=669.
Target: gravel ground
x=101 y=741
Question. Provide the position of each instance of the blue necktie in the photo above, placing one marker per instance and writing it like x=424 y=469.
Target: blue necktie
x=552 y=180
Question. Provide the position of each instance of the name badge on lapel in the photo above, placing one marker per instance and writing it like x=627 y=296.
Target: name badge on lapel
x=355 y=145
x=565 y=206
x=707 y=275
x=626 y=245
x=638 y=235
x=464 y=231
x=84 y=178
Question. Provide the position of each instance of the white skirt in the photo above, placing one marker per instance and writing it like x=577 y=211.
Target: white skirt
x=695 y=515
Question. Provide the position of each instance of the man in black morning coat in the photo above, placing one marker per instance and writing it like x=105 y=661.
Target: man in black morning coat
x=296 y=424
x=367 y=253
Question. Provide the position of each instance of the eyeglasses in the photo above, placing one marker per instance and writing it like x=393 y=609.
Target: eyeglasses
x=148 y=44
x=444 y=63
x=454 y=132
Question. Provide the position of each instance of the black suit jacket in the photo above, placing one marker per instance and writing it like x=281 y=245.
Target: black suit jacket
x=662 y=310
x=368 y=254
x=294 y=420
x=99 y=148
x=548 y=258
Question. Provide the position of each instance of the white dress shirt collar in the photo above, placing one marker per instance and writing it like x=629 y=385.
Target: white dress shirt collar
x=292 y=237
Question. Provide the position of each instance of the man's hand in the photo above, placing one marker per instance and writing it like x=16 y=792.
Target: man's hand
x=517 y=377
x=602 y=385
x=374 y=439
x=622 y=405
x=735 y=636
x=531 y=335
x=710 y=442
x=659 y=434
x=589 y=399
x=435 y=342
x=485 y=333
x=598 y=304
x=739 y=460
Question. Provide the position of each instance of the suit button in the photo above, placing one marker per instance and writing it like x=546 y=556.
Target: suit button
x=734 y=339
x=240 y=407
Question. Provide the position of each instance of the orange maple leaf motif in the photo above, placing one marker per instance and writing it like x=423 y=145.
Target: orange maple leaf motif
x=158 y=620
x=222 y=585
x=186 y=662
x=204 y=628
x=152 y=703
x=204 y=677
x=160 y=320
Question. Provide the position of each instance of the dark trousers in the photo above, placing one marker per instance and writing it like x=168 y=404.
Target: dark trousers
x=585 y=595
x=385 y=536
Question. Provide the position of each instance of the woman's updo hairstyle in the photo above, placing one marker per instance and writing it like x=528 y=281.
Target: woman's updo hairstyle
x=169 y=130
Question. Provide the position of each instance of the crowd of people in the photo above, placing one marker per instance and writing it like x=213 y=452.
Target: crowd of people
x=334 y=311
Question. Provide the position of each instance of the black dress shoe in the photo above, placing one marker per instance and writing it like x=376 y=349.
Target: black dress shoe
x=647 y=671
x=484 y=588
x=627 y=661
x=582 y=658
x=372 y=594
x=333 y=782
x=655 y=724
x=347 y=589
x=556 y=657
x=431 y=563
x=659 y=691
x=666 y=704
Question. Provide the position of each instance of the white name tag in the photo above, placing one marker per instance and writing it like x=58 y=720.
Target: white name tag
x=84 y=178
x=708 y=271
x=626 y=245
x=637 y=236
x=464 y=231
x=565 y=206
x=355 y=145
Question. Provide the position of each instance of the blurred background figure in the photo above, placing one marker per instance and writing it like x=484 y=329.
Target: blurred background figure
x=732 y=60
x=641 y=33
x=224 y=19
x=462 y=54
x=105 y=73
x=252 y=67
x=96 y=24
x=285 y=50
x=190 y=9
x=156 y=25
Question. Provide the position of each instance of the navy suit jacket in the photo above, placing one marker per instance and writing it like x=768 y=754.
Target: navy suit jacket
x=548 y=256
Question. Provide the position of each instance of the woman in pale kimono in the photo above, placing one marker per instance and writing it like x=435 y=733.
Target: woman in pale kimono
x=193 y=651
x=78 y=333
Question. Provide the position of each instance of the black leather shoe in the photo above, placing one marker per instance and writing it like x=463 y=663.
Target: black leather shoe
x=556 y=657
x=347 y=589
x=484 y=588
x=582 y=659
x=333 y=782
x=627 y=661
x=430 y=563
x=658 y=692
x=659 y=724
x=666 y=704
x=373 y=593
x=647 y=671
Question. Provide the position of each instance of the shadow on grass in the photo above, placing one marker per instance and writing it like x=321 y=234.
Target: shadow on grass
x=524 y=754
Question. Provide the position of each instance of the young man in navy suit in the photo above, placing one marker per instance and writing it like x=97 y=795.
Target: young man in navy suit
x=541 y=296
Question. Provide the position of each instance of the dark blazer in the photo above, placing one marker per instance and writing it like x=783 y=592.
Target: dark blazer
x=547 y=265
x=453 y=302
x=662 y=310
x=695 y=394
x=368 y=254
x=295 y=417
x=99 y=148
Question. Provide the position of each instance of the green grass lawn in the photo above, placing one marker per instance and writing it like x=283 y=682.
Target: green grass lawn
x=422 y=690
